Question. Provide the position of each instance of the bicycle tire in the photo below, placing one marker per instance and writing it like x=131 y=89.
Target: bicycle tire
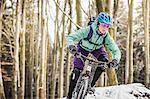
x=83 y=87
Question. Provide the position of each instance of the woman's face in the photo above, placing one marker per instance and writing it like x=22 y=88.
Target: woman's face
x=103 y=27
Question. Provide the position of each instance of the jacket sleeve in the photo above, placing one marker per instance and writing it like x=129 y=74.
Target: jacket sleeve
x=112 y=46
x=72 y=38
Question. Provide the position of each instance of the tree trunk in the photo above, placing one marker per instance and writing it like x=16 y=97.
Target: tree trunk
x=68 y=54
x=130 y=42
x=49 y=59
x=111 y=73
x=46 y=48
x=49 y=67
x=61 y=68
x=55 y=55
x=31 y=51
x=16 y=51
x=53 y=85
x=146 y=13
x=2 y=93
x=108 y=6
x=42 y=82
x=46 y=64
x=37 y=59
x=22 y=54
x=78 y=13
x=100 y=6
x=100 y=82
x=116 y=4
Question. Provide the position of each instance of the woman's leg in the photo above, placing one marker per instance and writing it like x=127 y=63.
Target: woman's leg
x=101 y=55
x=78 y=67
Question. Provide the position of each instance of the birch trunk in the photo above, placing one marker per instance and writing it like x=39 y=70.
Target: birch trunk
x=42 y=82
x=22 y=54
x=2 y=93
x=55 y=63
x=31 y=51
x=68 y=54
x=116 y=4
x=61 y=68
x=111 y=73
x=100 y=6
x=130 y=42
x=37 y=59
x=78 y=13
x=16 y=51
x=146 y=13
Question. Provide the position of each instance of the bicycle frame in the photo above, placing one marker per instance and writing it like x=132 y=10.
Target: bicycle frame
x=86 y=76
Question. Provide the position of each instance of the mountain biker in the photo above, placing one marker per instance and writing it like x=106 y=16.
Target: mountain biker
x=93 y=45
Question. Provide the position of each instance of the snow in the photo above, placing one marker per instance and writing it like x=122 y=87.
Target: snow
x=129 y=91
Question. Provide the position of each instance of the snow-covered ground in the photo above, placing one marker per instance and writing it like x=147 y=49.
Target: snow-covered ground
x=129 y=91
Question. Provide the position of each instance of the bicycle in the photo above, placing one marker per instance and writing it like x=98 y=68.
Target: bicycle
x=83 y=85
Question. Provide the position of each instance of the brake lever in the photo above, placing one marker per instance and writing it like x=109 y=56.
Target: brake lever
x=79 y=55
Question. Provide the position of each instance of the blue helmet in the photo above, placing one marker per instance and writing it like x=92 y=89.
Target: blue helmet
x=104 y=18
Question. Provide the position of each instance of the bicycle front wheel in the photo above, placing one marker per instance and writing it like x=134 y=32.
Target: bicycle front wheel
x=83 y=87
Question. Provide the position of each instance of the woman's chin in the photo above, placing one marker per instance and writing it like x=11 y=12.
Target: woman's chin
x=103 y=31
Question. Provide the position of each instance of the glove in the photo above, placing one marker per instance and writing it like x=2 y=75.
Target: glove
x=102 y=66
x=113 y=64
x=72 y=49
x=103 y=58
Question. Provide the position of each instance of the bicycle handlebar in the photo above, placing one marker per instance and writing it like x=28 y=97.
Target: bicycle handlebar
x=79 y=55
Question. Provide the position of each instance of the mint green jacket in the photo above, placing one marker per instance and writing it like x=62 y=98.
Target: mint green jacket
x=82 y=33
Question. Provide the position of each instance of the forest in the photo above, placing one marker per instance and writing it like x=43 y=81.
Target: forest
x=35 y=62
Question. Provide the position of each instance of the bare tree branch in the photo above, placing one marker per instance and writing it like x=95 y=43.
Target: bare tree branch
x=9 y=45
x=66 y=14
x=83 y=10
x=50 y=13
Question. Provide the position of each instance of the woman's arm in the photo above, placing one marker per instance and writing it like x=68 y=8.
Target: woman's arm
x=112 y=46
x=77 y=36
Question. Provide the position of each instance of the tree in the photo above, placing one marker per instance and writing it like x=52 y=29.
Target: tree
x=146 y=13
x=2 y=93
x=129 y=57
x=100 y=6
x=16 y=51
x=22 y=53
x=61 y=68
x=31 y=49
x=42 y=82
x=78 y=13
x=55 y=55
x=112 y=77
x=37 y=50
x=68 y=54
x=116 y=5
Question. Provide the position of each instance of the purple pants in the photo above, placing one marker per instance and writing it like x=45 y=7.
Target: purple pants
x=78 y=63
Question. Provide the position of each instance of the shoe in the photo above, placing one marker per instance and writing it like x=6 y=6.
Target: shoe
x=68 y=97
x=91 y=90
